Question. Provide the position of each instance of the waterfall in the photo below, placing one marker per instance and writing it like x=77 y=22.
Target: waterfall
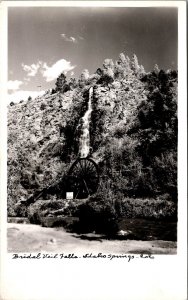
x=84 y=142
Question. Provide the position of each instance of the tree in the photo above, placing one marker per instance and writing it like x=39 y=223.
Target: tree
x=155 y=130
x=122 y=67
x=134 y=64
x=60 y=82
x=158 y=116
x=99 y=71
x=122 y=58
x=108 y=64
x=128 y=60
x=84 y=75
x=72 y=83
x=156 y=69
x=127 y=64
x=94 y=78
x=141 y=71
x=53 y=91
x=83 y=80
x=108 y=76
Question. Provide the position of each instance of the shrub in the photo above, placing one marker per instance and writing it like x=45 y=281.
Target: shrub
x=53 y=91
x=20 y=209
x=43 y=106
x=45 y=209
x=42 y=208
x=97 y=216
x=108 y=76
x=158 y=209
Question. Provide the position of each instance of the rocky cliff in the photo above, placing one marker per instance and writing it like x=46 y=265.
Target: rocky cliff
x=35 y=143
x=43 y=133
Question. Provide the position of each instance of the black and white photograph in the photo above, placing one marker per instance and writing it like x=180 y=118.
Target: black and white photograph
x=92 y=129
x=92 y=133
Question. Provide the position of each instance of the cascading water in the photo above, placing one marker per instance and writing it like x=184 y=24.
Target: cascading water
x=84 y=142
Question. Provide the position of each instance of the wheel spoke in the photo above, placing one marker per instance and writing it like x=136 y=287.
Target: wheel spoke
x=81 y=168
x=85 y=163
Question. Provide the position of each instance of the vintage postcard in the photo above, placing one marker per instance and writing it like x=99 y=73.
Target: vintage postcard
x=93 y=152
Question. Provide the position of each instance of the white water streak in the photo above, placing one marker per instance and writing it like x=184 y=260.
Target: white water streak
x=84 y=143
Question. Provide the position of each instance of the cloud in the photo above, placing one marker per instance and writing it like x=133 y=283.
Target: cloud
x=17 y=96
x=14 y=84
x=68 y=39
x=48 y=72
x=32 y=69
x=51 y=73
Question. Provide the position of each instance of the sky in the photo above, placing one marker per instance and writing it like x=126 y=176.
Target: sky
x=45 y=41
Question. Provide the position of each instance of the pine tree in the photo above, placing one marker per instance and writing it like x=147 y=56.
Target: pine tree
x=109 y=73
x=156 y=69
x=72 y=83
x=128 y=59
x=99 y=71
x=122 y=67
x=108 y=64
x=84 y=75
x=142 y=71
x=60 y=82
x=122 y=58
x=127 y=66
x=134 y=64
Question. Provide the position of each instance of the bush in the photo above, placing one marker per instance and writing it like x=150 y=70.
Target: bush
x=158 y=209
x=41 y=209
x=97 y=216
x=20 y=209
x=43 y=106
x=53 y=91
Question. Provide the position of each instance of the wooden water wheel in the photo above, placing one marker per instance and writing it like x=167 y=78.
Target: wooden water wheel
x=83 y=178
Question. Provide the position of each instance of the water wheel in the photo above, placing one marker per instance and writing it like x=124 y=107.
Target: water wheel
x=83 y=178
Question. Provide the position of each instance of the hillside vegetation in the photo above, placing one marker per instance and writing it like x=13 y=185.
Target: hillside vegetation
x=133 y=134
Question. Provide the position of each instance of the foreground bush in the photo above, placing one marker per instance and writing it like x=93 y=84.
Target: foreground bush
x=97 y=215
x=45 y=209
